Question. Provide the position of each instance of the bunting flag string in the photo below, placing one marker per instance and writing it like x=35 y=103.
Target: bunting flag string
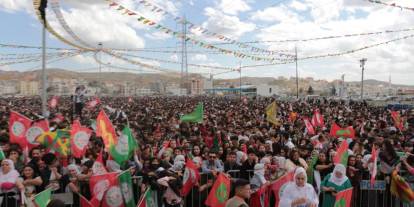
x=391 y=5
x=338 y=53
x=146 y=21
x=180 y=20
x=64 y=55
x=176 y=62
x=33 y=47
x=37 y=56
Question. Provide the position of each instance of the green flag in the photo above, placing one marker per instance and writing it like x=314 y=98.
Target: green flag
x=2 y=155
x=125 y=147
x=126 y=188
x=311 y=168
x=195 y=116
x=43 y=198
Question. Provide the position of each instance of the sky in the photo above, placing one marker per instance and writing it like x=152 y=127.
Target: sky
x=261 y=21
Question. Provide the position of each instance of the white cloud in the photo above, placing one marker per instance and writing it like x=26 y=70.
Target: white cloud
x=299 y=6
x=233 y=7
x=174 y=57
x=16 y=5
x=276 y=14
x=199 y=58
x=158 y=35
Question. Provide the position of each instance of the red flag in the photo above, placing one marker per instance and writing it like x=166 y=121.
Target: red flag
x=343 y=198
x=93 y=103
x=34 y=131
x=99 y=184
x=278 y=186
x=58 y=118
x=53 y=102
x=317 y=119
x=105 y=130
x=79 y=139
x=113 y=196
x=342 y=154
x=84 y=202
x=398 y=122
x=374 y=167
x=337 y=131
x=220 y=192
x=164 y=148
x=260 y=198
x=18 y=125
x=309 y=127
x=400 y=188
x=98 y=167
x=190 y=178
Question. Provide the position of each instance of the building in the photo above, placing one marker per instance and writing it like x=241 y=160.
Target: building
x=29 y=88
x=197 y=87
x=8 y=87
x=267 y=90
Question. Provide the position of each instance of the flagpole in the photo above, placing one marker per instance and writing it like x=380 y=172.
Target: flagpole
x=44 y=91
x=143 y=197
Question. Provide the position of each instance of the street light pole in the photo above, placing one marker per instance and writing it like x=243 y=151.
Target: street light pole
x=362 y=64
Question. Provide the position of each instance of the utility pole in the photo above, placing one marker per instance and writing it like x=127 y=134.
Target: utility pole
x=362 y=64
x=44 y=78
x=100 y=82
x=240 y=83
x=297 y=76
x=184 y=62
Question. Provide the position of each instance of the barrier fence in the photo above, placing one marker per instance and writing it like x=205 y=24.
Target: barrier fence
x=364 y=195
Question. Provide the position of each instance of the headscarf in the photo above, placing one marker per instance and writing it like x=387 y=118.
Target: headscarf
x=179 y=162
x=10 y=177
x=265 y=160
x=338 y=181
x=74 y=167
x=298 y=171
x=260 y=172
x=280 y=161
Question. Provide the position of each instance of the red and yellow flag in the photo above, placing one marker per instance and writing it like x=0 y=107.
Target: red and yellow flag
x=220 y=192
x=105 y=130
x=398 y=121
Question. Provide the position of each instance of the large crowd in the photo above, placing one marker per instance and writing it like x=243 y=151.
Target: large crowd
x=234 y=138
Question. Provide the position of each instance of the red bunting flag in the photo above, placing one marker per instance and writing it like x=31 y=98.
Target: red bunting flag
x=105 y=130
x=343 y=198
x=337 y=131
x=309 y=127
x=278 y=186
x=79 y=139
x=190 y=178
x=53 y=102
x=220 y=192
x=342 y=154
x=398 y=121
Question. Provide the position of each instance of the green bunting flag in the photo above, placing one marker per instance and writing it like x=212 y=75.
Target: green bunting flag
x=43 y=198
x=125 y=147
x=196 y=116
x=126 y=188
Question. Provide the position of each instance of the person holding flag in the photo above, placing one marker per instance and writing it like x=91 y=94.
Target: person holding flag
x=242 y=193
x=299 y=193
x=333 y=183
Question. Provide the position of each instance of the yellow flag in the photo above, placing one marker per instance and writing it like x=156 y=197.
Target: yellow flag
x=271 y=113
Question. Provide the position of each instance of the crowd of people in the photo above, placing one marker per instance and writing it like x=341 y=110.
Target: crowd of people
x=234 y=138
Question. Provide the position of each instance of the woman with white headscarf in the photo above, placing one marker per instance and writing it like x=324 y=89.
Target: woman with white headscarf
x=9 y=183
x=299 y=193
x=258 y=178
x=333 y=183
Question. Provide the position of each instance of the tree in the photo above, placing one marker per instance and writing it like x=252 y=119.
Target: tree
x=310 y=90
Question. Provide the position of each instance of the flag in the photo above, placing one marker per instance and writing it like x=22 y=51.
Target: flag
x=43 y=198
x=309 y=128
x=53 y=102
x=105 y=130
x=100 y=184
x=279 y=185
x=79 y=139
x=342 y=154
x=84 y=202
x=271 y=113
x=190 y=178
x=164 y=148
x=34 y=131
x=311 y=168
x=126 y=188
x=398 y=122
x=98 y=167
x=58 y=118
x=113 y=196
x=337 y=131
x=400 y=188
x=343 y=198
x=93 y=103
x=125 y=147
x=220 y=192
x=196 y=116
x=260 y=198
x=62 y=142
x=47 y=139
x=2 y=155
x=374 y=167
x=293 y=116
x=42 y=9
x=18 y=125
x=317 y=119
x=148 y=200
